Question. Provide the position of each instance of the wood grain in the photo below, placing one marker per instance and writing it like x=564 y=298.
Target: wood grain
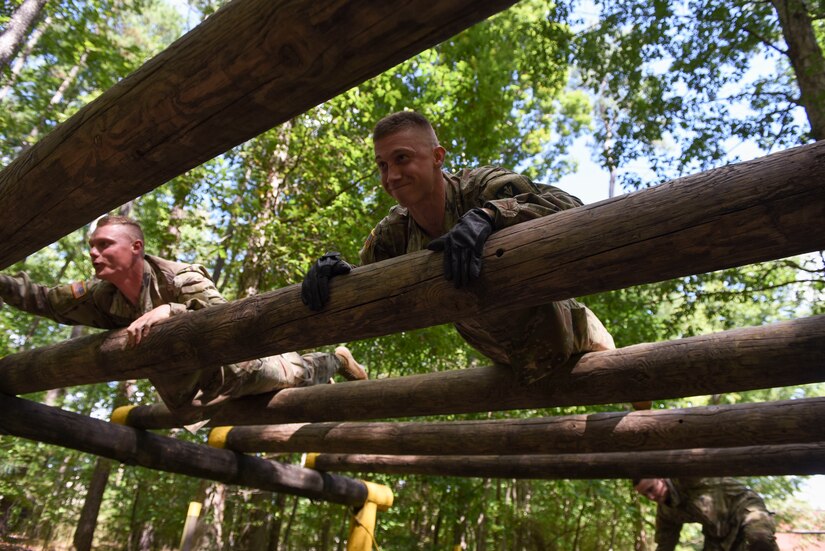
x=772 y=423
x=247 y=68
x=27 y=419
x=789 y=459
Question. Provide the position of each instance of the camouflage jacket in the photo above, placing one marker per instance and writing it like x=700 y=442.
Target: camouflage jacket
x=98 y=303
x=718 y=504
x=549 y=332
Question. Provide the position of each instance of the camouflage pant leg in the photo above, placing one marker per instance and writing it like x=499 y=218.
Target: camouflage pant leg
x=757 y=532
x=590 y=333
x=273 y=373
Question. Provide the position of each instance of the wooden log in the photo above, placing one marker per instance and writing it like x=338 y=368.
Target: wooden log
x=754 y=424
x=781 y=354
x=251 y=66
x=730 y=216
x=787 y=459
x=42 y=423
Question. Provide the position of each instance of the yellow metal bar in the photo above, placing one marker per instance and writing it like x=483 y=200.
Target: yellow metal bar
x=362 y=526
x=187 y=539
x=121 y=415
x=217 y=437
x=309 y=460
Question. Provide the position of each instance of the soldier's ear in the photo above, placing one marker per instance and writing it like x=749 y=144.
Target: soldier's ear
x=438 y=155
x=137 y=245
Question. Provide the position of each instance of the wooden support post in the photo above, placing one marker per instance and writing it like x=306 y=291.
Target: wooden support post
x=771 y=423
x=251 y=66
x=34 y=421
x=787 y=459
x=729 y=361
x=738 y=214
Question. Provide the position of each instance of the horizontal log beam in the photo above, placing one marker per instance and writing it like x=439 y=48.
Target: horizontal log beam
x=788 y=459
x=726 y=217
x=754 y=424
x=27 y=419
x=729 y=361
x=251 y=66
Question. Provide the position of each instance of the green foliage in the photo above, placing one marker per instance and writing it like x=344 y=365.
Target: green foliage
x=682 y=108
x=500 y=92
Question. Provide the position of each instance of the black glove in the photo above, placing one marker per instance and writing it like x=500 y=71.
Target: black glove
x=463 y=245
x=315 y=287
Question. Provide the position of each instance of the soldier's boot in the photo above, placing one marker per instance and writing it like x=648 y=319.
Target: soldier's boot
x=349 y=369
x=647 y=404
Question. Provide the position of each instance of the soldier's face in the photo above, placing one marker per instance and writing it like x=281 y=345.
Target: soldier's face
x=654 y=489
x=410 y=166
x=114 y=251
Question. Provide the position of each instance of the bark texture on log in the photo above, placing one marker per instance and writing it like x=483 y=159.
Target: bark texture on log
x=788 y=459
x=772 y=423
x=729 y=361
x=251 y=66
x=735 y=215
x=41 y=423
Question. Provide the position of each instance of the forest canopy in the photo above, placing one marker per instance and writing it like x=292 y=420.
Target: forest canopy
x=654 y=90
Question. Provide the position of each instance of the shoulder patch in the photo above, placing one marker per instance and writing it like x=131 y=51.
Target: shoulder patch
x=79 y=289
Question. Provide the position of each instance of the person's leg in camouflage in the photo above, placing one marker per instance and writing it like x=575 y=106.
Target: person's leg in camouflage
x=289 y=370
x=757 y=532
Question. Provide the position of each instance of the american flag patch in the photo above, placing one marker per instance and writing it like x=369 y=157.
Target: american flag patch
x=78 y=289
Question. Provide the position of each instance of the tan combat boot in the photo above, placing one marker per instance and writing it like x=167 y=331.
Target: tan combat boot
x=350 y=369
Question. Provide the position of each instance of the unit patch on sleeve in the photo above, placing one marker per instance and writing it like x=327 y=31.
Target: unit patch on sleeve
x=79 y=289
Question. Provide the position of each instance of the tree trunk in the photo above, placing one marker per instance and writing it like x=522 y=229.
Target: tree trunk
x=258 y=248
x=21 y=22
x=277 y=523
x=84 y=533
x=255 y=532
x=806 y=59
x=285 y=541
x=20 y=60
x=210 y=536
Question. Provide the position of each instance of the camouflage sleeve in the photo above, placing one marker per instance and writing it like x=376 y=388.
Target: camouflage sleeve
x=386 y=240
x=194 y=290
x=515 y=198
x=667 y=531
x=71 y=304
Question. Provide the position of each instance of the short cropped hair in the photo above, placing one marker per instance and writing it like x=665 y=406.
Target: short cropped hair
x=134 y=228
x=401 y=120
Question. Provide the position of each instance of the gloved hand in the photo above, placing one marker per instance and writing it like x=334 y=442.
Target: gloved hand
x=315 y=287
x=463 y=245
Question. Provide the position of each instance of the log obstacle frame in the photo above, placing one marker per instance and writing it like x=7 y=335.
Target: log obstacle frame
x=731 y=216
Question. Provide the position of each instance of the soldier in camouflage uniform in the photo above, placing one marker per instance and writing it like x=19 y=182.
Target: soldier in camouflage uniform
x=733 y=517
x=468 y=206
x=137 y=290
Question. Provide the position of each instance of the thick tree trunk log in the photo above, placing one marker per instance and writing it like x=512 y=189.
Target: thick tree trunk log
x=730 y=361
x=789 y=459
x=41 y=423
x=250 y=66
x=86 y=524
x=727 y=217
x=806 y=59
x=755 y=424
x=19 y=25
